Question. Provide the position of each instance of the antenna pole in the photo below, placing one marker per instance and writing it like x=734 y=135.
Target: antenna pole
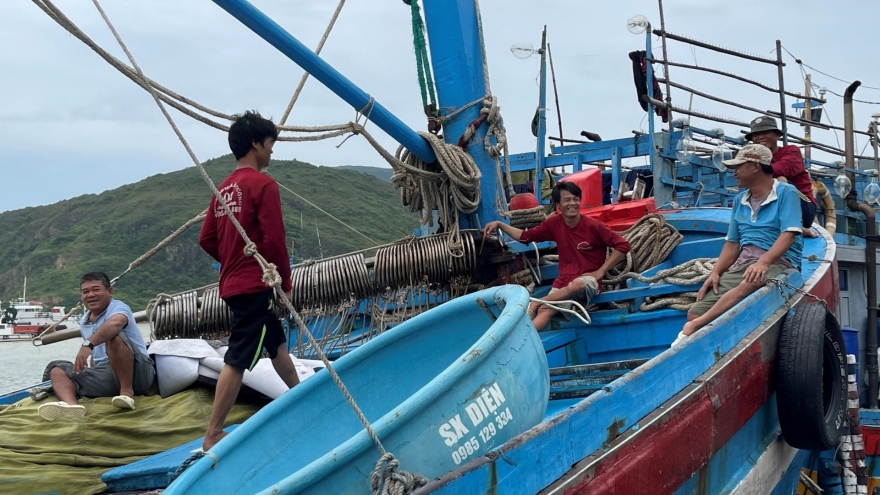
x=808 y=114
x=555 y=92
x=665 y=65
x=782 y=119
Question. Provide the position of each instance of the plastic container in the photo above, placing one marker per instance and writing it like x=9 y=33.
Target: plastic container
x=590 y=182
x=851 y=340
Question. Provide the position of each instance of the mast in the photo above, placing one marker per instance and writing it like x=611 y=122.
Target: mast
x=455 y=36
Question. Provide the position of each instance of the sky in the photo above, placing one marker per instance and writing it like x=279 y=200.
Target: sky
x=70 y=124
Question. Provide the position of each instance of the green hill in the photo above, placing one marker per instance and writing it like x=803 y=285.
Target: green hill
x=380 y=173
x=56 y=244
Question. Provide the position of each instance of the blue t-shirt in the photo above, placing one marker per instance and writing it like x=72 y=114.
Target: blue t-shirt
x=130 y=330
x=779 y=212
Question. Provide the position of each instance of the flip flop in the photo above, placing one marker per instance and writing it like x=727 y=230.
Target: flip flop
x=51 y=411
x=123 y=402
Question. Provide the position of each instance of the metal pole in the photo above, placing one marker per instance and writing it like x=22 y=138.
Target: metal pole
x=555 y=92
x=779 y=66
x=808 y=110
x=650 y=81
x=665 y=66
x=870 y=250
x=542 y=120
x=276 y=36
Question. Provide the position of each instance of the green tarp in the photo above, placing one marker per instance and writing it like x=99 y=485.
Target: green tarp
x=69 y=457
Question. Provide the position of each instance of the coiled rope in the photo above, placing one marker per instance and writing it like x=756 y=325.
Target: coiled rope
x=270 y=274
x=527 y=217
x=651 y=240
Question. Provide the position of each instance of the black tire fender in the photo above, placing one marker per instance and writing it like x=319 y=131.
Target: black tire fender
x=811 y=381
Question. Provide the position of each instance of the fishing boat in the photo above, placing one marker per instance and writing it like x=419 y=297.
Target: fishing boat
x=600 y=403
x=25 y=319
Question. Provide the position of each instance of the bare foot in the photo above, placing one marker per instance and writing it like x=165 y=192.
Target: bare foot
x=809 y=233
x=211 y=439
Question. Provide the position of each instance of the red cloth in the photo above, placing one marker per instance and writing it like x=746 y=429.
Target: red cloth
x=582 y=248
x=788 y=163
x=256 y=203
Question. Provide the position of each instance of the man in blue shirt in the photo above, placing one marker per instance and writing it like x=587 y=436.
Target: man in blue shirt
x=121 y=367
x=763 y=240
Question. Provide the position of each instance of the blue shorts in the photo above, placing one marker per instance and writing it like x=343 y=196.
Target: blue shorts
x=255 y=327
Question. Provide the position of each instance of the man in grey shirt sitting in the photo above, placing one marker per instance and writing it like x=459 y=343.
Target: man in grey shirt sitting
x=121 y=367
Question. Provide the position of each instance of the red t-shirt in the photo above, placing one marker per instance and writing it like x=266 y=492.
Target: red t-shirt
x=788 y=163
x=582 y=248
x=254 y=199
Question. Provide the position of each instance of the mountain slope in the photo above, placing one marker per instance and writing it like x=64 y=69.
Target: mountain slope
x=55 y=244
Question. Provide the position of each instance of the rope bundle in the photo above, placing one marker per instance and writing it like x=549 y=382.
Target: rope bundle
x=527 y=217
x=651 y=240
x=424 y=190
x=691 y=272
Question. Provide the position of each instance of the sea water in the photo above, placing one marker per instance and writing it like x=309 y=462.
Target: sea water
x=22 y=363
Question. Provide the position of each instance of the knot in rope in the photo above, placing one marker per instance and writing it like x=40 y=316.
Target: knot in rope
x=271 y=276
x=250 y=249
x=388 y=480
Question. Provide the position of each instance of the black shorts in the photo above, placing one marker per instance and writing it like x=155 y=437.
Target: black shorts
x=255 y=327
x=808 y=212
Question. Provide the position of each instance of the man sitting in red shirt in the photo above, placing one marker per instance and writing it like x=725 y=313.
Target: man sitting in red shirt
x=788 y=166
x=582 y=243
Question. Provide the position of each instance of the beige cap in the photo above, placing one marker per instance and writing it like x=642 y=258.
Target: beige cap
x=751 y=153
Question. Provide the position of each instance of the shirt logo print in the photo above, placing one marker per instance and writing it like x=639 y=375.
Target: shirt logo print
x=584 y=246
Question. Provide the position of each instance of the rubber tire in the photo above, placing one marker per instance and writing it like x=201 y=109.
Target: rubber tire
x=811 y=382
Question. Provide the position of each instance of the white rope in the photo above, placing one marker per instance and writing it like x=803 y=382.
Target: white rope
x=250 y=248
x=560 y=306
x=305 y=76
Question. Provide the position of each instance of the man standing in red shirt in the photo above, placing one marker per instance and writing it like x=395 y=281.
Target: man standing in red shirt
x=788 y=166
x=582 y=243
x=254 y=200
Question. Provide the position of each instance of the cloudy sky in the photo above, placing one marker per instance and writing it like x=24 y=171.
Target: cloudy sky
x=70 y=124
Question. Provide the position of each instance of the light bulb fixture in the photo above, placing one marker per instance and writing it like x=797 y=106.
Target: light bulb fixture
x=872 y=192
x=685 y=148
x=637 y=24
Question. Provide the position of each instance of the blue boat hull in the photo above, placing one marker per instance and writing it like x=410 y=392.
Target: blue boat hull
x=445 y=387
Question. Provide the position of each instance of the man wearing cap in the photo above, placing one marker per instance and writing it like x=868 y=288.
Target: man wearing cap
x=763 y=238
x=788 y=166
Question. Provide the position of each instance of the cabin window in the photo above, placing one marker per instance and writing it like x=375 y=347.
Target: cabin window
x=843 y=280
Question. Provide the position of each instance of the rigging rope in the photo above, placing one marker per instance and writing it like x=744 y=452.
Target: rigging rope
x=423 y=64
x=356 y=231
x=270 y=275
x=305 y=76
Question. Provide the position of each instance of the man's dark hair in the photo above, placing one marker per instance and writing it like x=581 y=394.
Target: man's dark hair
x=93 y=276
x=247 y=130
x=767 y=169
x=568 y=186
